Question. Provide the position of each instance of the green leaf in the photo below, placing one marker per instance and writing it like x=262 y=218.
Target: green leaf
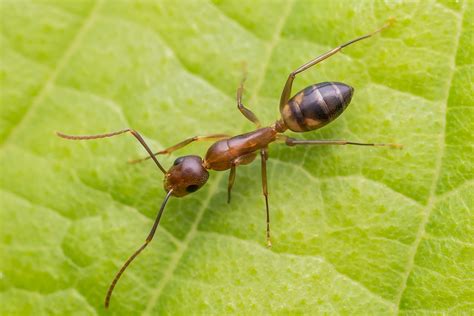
x=355 y=230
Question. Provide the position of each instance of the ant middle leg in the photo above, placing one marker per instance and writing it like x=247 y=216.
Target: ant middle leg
x=231 y=182
x=264 y=158
x=242 y=160
x=183 y=144
x=286 y=93
x=246 y=112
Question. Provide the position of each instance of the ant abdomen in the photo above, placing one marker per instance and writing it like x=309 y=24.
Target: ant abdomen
x=316 y=106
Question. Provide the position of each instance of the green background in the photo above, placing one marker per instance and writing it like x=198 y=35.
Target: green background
x=355 y=230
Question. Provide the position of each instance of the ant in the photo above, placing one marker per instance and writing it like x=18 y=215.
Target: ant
x=310 y=109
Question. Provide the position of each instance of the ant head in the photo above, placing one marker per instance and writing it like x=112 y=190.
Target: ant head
x=187 y=175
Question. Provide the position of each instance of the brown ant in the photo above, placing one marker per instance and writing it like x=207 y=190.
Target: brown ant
x=310 y=109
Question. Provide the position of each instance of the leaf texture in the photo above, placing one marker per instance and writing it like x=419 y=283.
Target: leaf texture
x=355 y=230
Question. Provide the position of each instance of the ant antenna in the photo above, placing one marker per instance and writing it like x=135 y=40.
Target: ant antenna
x=137 y=252
x=132 y=131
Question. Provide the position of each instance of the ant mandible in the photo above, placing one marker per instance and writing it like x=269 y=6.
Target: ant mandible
x=310 y=109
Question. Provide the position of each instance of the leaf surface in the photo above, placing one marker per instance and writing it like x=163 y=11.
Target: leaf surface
x=355 y=230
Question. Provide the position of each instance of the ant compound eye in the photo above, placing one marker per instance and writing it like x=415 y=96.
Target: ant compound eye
x=178 y=161
x=192 y=188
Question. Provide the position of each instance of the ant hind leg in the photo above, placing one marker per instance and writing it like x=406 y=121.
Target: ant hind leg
x=286 y=93
x=292 y=142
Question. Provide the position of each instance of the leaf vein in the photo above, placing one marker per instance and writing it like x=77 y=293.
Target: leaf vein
x=235 y=21
x=355 y=176
x=179 y=60
x=64 y=59
x=287 y=254
x=439 y=160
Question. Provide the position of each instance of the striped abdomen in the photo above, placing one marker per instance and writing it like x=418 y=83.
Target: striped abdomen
x=316 y=105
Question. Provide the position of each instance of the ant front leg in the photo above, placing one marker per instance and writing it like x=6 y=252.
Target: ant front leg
x=182 y=144
x=286 y=93
x=264 y=158
x=246 y=112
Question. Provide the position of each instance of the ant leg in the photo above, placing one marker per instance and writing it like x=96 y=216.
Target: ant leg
x=133 y=132
x=242 y=160
x=264 y=158
x=286 y=93
x=231 y=182
x=292 y=142
x=183 y=144
x=246 y=112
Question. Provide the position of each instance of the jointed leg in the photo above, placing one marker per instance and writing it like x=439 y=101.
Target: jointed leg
x=183 y=144
x=242 y=160
x=264 y=158
x=133 y=132
x=286 y=93
x=231 y=182
x=292 y=142
x=246 y=112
